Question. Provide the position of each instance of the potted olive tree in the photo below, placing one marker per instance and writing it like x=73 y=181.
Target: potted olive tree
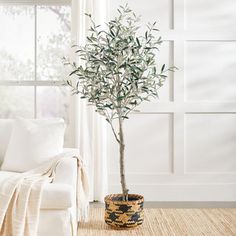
x=118 y=72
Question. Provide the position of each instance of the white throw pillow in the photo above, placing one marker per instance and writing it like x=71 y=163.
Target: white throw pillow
x=33 y=142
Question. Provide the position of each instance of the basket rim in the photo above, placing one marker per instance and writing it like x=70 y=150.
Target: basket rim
x=109 y=198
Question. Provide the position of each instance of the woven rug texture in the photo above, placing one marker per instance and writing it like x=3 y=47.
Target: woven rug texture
x=168 y=222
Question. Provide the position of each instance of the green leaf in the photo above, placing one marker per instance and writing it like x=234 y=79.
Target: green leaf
x=138 y=42
x=162 y=68
x=89 y=39
x=73 y=72
x=112 y=33
x=89 y=15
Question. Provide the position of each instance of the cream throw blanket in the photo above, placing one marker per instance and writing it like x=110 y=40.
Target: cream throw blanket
x=20 y=197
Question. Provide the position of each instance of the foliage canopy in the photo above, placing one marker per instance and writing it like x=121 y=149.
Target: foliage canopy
x=119 y=69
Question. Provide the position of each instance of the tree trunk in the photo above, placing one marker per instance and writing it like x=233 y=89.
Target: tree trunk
x=122 y=164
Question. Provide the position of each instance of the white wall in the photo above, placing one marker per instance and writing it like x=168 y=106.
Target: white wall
x=183 y=147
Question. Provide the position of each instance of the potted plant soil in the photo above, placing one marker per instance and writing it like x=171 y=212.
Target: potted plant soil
x=118 y=71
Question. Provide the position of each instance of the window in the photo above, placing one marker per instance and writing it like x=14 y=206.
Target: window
x=33 y=40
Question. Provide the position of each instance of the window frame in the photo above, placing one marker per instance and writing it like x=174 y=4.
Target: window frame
x=35 y=2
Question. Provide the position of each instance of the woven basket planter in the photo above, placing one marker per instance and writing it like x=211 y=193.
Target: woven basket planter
x=124 y=214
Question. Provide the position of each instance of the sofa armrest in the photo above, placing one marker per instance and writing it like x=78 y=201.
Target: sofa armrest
x=66 y=171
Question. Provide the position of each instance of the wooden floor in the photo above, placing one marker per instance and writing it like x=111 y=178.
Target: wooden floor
x=168 y=222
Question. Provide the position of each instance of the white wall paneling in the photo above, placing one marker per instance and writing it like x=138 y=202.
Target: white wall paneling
x=210 y=75
x=183 y=146
x=210 y=142
x=210 y=14
x=139 y=130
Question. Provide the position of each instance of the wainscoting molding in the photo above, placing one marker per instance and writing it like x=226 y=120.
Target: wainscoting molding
x=183 y=146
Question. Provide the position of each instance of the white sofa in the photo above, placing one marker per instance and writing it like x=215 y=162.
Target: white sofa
x=58 y=207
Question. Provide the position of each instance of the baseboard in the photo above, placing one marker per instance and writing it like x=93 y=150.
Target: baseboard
x=150 y=204
x=183 y=192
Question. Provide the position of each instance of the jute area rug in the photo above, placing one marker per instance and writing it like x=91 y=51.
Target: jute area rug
x=168 y=222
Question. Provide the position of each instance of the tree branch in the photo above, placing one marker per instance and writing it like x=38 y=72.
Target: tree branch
x=61 y=16
x=114 y=132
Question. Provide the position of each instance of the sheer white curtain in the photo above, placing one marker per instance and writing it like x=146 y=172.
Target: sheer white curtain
x=90 y=127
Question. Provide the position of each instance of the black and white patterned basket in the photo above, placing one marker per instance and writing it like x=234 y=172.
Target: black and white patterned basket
x=124 y=214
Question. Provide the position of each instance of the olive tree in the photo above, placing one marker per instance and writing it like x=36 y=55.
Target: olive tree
x=117 y=71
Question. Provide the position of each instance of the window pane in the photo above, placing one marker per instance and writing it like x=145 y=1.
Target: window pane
x=16 y=42
x=53 y=30
x=16 y=101
x=54 y=102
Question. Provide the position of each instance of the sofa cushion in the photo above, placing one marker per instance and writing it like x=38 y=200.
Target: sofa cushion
x=32 y=142
x=54 y=196
x=5 y=134
x=57 y=196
